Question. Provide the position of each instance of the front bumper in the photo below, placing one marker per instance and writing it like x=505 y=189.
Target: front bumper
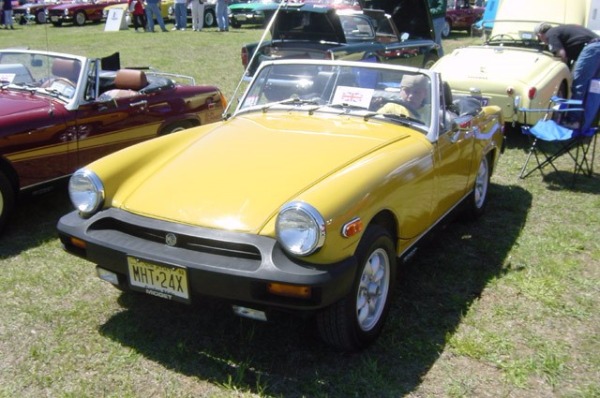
x=222 y=264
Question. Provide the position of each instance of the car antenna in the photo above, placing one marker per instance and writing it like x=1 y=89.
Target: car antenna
x=226 y=114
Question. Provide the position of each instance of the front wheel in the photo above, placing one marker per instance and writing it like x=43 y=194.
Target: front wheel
x=477 y=200
x=7 y=200
x=356 y=321
x=209 y=18
x=40 y=17
x=80 y=18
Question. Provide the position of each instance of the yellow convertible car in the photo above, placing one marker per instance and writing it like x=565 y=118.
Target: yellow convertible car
x=305 y=199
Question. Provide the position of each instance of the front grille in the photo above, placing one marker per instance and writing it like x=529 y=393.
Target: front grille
x=184 y=241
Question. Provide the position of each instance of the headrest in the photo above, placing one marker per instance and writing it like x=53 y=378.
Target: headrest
x=67 y=68
x=130 y=79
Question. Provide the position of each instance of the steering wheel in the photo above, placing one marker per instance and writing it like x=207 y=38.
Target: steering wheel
x=413 y=112
x=64 y=86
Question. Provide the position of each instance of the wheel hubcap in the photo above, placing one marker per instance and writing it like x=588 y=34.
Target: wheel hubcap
x=373 y=289
x=481 y=184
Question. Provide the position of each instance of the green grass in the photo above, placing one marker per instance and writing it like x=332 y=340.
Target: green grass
x=507 y=306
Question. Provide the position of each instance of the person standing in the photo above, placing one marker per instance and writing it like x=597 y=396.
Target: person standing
x=153 y=11
x=197 y=15
x=578 y=47
x=138 y=14
x=222 y=17
x=180 y=14
x=7 y=12
x=437 y=9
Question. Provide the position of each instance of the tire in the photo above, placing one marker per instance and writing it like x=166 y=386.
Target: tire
x=235 y=24
x=7 y=200
x=355 y=321
x=79 y=18
x=40 y=17
x=57 y=24
x=209 y=18
x=176 y=127
x=477 y=200
x=430 y=60
x=446 y=29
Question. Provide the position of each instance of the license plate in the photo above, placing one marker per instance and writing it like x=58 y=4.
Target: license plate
x=168 y=282
x=54 y=19
x=240 y=17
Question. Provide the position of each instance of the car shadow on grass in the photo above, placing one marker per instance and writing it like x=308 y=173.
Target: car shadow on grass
x=286 y=357
x=34 y=220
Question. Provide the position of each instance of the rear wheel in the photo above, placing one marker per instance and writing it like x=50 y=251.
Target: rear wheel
x=356 y=321
x=176 y=127
x=7 y=200
x=477 y=200
x=430 y=60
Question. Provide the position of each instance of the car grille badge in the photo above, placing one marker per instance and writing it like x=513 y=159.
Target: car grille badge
x=171 y=239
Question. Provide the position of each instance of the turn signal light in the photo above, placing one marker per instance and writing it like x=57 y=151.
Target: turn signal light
x=352 y=228
x=282 y=289
x=78 y=243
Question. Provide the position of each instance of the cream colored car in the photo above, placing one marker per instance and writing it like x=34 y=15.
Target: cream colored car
x=512 y=69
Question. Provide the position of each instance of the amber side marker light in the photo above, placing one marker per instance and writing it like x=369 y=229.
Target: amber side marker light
x=282 y=289
x=78 y=243
x=352 y=228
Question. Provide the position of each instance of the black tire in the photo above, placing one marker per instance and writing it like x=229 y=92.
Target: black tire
x=355 y=321
x=7 y=200
x=80 y=18
x=40 y=17
x=235 y=24
x=477 y=200
x=57 y=24
x=176 y=127
x=209 y=18
x=430 y=60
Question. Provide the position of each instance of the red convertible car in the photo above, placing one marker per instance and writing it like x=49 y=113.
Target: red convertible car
x=80 y=11
x=59 y=112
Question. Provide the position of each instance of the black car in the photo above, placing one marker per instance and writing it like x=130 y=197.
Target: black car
x=401 y=35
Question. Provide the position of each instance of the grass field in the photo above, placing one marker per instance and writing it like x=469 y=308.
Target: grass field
x=505 y=307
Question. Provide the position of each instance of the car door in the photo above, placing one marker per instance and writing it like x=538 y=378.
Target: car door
x=453 y=158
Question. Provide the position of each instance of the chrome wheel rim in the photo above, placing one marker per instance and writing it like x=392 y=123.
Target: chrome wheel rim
x=481 y=183
x=373 y=290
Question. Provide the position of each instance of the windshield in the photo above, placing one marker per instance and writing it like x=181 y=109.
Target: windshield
x=46 y=74
x=396 y=95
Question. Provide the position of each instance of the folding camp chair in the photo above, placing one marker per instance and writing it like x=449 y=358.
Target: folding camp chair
x=553 y=138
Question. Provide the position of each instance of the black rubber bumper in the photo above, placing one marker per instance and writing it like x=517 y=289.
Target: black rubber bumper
x=221 y=264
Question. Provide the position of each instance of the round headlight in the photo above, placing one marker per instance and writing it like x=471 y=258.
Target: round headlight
x=300 y=228
x=86 y=191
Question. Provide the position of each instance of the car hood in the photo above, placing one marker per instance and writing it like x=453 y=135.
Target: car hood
x=15 y=102
x=493 y=66
x=237 y=176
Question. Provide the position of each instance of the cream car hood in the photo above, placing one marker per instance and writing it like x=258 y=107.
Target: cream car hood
x=239 y=175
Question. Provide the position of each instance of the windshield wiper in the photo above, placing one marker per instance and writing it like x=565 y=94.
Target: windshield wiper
x=290 y=101
x=403 y=119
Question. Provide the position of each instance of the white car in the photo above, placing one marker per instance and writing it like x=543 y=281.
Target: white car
x=512 y=69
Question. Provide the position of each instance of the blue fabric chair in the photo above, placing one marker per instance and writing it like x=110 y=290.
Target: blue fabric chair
x=553 y=138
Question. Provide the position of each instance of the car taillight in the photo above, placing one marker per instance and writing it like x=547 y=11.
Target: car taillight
x=244 y=57
x=531 y=93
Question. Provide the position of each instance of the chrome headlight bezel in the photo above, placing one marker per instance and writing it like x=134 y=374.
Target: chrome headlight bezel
x=86 y=192
x=300 y=228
